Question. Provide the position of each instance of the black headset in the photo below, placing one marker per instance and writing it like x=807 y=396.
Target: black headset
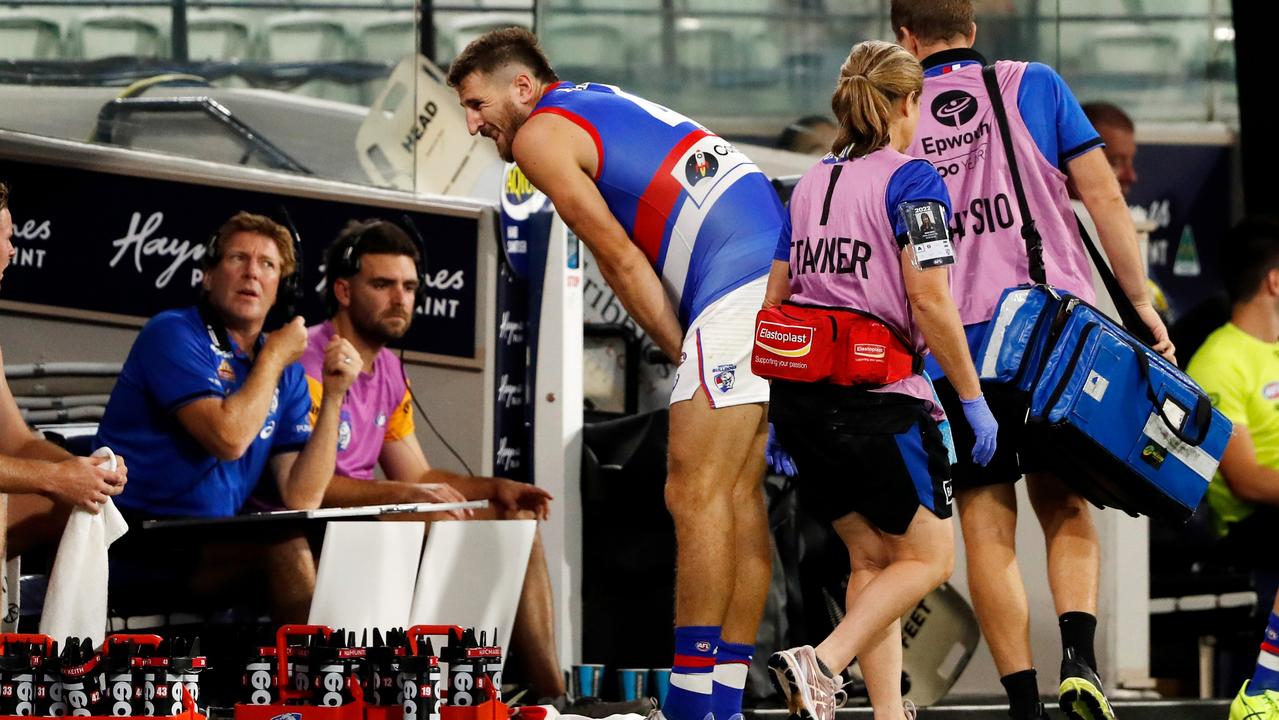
x=290 y=293
x=346 y=263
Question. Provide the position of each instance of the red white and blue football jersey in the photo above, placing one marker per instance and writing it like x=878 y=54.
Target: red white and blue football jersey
x=705 y=216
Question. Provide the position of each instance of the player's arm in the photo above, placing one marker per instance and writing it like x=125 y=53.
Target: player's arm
x=1248 y=480
x=29 y=464
x=1099 y=190
x=16 y=439
x=553 y=153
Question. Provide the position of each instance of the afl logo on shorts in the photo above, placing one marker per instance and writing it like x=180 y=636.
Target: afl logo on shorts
x=703 y=646
x=724 y=376
x=872 y=351
x=1270 y=391
x=954 y=108
x=785 y=340
x=700 y=165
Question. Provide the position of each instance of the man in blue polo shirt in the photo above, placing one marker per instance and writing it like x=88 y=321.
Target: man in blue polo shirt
x=206 y=403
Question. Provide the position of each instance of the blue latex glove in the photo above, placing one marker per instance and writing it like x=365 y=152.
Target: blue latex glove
x=984 y=428
x=777 y=457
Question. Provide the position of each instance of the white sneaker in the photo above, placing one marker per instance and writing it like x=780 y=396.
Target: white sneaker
x=810 y=693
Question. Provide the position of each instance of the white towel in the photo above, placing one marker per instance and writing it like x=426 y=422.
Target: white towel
x=76 y=602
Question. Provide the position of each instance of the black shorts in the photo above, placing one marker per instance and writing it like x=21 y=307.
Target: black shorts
x=1018 y=447
x=880 y=455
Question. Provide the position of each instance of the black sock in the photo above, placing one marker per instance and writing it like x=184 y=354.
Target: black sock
x=1077 y=632
x=1023 y=694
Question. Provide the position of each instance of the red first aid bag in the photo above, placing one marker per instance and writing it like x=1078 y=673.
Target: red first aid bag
x=807 y=343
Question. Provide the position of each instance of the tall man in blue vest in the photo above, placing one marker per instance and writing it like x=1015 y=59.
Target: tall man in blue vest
x=683 y=227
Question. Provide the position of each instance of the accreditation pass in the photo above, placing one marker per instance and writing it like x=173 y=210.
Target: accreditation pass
x=928 y=231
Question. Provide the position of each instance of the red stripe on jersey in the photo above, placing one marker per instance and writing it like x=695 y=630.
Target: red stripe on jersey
x=585 y=125
x=659 y=198
x=694 y=661
x=1268 y=647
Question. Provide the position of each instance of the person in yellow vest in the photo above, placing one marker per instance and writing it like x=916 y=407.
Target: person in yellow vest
x=1238 y=366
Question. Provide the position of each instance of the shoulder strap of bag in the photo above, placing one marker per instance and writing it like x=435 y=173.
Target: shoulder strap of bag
x=1127 y=312
x=1034 y=242
x=1029 y=233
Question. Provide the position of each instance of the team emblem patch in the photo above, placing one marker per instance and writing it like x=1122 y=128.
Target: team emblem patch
x=225 y=372
x=344 y=432
x=699 y=166
x=724 y=376
x=1270 y=391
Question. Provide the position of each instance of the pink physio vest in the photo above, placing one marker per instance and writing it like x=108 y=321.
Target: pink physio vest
x=959 y=135
x=852 y=260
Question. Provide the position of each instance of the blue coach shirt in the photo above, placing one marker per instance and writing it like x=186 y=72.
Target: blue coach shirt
x=176 y=360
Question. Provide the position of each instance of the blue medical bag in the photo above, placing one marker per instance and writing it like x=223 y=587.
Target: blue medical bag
x=1124 y=426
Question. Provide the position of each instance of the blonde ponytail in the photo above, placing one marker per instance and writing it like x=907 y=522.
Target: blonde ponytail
x=873 y=79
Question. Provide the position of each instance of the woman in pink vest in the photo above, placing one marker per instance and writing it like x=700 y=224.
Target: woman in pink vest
x=869 y=231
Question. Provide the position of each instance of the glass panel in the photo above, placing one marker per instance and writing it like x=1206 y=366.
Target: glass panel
x=297 y=76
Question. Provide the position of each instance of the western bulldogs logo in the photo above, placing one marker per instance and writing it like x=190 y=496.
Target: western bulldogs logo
x=725 y=376
x=954 y=108
x=344 y=432
x=700 y=166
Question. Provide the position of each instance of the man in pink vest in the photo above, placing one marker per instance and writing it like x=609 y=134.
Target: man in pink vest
x=1053 y=140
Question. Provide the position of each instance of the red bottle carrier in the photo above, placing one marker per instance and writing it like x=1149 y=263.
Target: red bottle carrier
x=295 y=703
x=189 y=711
x=807 y=343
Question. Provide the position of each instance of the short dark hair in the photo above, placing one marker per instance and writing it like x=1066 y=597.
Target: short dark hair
x=1108 y=114
x=259 y=225
x=1251 y=251
x=4 y=195
x=360 y=238
x=498 y=48
x=932 y=20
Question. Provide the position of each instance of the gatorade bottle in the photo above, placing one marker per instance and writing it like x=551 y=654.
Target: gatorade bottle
x=19 y=666
x=49 y=685
x=475 y=671
x=183 y=674
x=124 y=690
x=419 y=684
x=82 y=678
x=259 y=685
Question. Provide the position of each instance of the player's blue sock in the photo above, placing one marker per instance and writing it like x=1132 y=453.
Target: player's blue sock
x=1266 y=676
x=732 y=662
x=691 y=674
